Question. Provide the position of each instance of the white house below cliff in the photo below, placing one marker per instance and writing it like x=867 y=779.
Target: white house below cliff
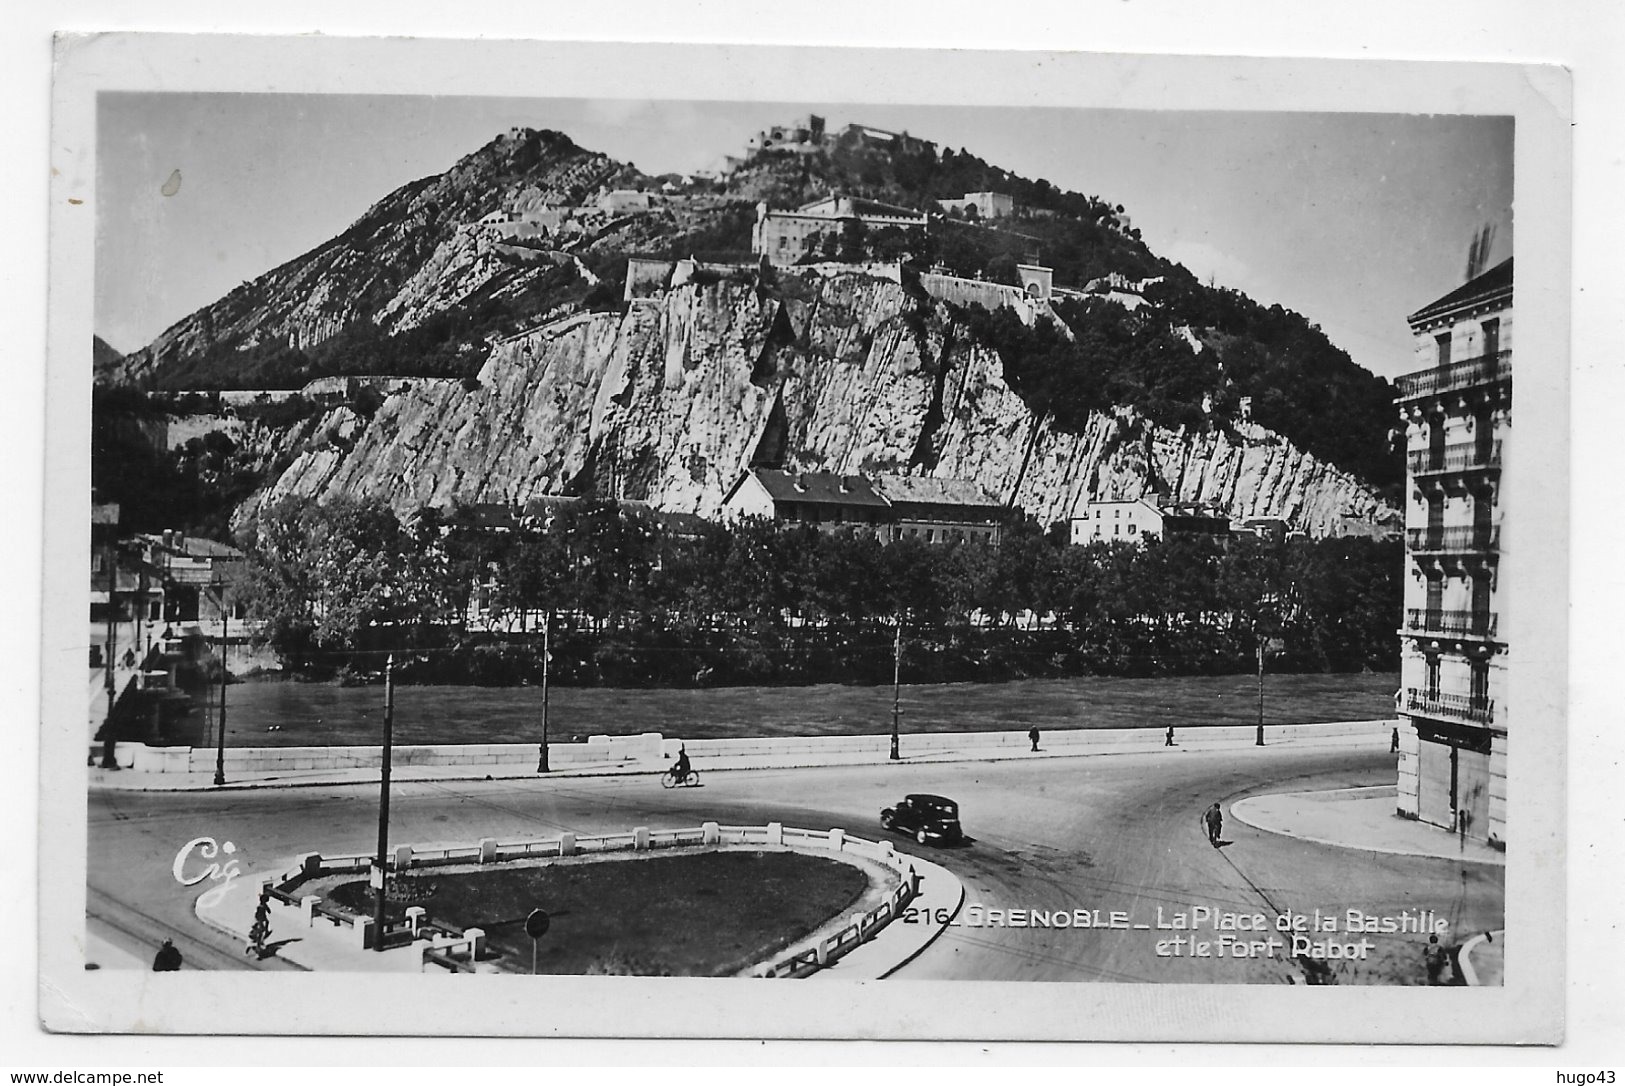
x=1132 y=521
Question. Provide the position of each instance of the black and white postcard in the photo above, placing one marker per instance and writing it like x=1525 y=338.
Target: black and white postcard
x=596 y=540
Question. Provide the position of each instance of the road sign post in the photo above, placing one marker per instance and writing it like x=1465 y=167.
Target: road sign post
x=536 y=925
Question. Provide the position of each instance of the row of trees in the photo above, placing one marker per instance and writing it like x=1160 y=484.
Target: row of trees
x=635 y=603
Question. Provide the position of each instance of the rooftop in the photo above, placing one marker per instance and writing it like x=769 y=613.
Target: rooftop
x=1486 y=287
x=193 y=546
x=818 y=486
x=924 y=488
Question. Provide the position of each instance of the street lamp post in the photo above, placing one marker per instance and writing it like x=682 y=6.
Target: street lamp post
x=220 y=739
x=1260 y=741
x=378 y=876
x=896 y=686
x=547 y=624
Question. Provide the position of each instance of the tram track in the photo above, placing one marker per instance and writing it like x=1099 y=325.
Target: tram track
x=196 y=951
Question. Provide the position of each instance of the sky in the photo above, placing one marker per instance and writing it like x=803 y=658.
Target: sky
x=1354 y=220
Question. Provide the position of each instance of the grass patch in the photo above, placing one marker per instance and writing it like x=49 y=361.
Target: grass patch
x=705 y=914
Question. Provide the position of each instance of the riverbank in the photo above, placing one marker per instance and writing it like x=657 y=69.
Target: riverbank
x=294 y=714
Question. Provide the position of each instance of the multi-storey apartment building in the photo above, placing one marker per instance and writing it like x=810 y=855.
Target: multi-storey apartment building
x=1454 y=649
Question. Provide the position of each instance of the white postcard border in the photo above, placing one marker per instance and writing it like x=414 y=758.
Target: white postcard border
x=1527 y=1010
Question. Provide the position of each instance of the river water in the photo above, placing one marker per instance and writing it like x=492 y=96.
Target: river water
x=281 y=713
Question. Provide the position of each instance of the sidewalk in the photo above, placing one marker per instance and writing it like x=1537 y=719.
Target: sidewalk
x=103 y=953
x=1358 y=818
x=902 y=940
x=1482 y=958
x=794 y=754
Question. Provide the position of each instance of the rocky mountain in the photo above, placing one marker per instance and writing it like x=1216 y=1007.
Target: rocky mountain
x=418 y=252
x=671 y=401
x=105 y=360
x=498 y=288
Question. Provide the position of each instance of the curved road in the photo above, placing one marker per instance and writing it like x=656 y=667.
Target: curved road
x=1116 y=833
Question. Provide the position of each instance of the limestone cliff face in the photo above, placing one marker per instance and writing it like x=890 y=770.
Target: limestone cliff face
x=673 y=400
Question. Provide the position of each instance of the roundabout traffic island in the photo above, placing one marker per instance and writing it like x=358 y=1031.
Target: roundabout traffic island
x=708 y=901
x=697 y=914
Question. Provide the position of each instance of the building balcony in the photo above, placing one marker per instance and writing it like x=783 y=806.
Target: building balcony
x=1466 y=456
x=1458 y=707
x=1461 y=539
x=1450 y=623
x=1486 y=369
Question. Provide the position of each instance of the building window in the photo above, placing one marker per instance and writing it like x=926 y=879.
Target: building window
x=1492 y=337
x=1443 y=341
x=1132 y=528
x=1479 y=692
x=1431 y=678
x=1117 y=529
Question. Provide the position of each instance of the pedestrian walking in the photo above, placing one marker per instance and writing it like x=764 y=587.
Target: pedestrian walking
x=1437 y=958
x=1213 y=821
x=168 y=959
x=1169 y=741
x=1033 y=735
x=1393 y=744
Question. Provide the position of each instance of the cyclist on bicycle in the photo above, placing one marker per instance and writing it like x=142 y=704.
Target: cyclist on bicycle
x=680 y=771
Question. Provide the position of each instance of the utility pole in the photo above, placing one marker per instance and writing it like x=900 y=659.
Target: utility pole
x=547 y=625
x=896 y=685
x=378 y=876
x=220 y=739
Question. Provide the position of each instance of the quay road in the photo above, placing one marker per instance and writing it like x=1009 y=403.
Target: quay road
x=1113 y=834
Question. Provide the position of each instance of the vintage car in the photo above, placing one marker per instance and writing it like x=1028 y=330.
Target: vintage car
x=926 y=817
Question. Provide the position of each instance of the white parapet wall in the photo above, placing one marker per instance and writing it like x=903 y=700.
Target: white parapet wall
x=654 y=751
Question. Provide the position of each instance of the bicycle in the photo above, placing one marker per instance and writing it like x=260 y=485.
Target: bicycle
x=668 y=779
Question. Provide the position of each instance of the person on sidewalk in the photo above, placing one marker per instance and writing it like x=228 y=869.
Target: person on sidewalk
x=1393 y=744
x=1169 y=741
x=1213 y=822
x=168 y=959
x=1437 y=959
x=1033 y=735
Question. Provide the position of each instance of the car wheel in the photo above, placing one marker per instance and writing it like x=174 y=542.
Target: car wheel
x=920 y=836
x=886 y=821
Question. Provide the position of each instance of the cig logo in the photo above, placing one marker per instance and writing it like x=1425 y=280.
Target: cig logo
x=222 y=872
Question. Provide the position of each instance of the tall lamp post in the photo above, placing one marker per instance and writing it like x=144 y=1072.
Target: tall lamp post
x=547 y=656
x=378 y=877
x=896 y=686
x=225 y=643
x=1260 y=741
